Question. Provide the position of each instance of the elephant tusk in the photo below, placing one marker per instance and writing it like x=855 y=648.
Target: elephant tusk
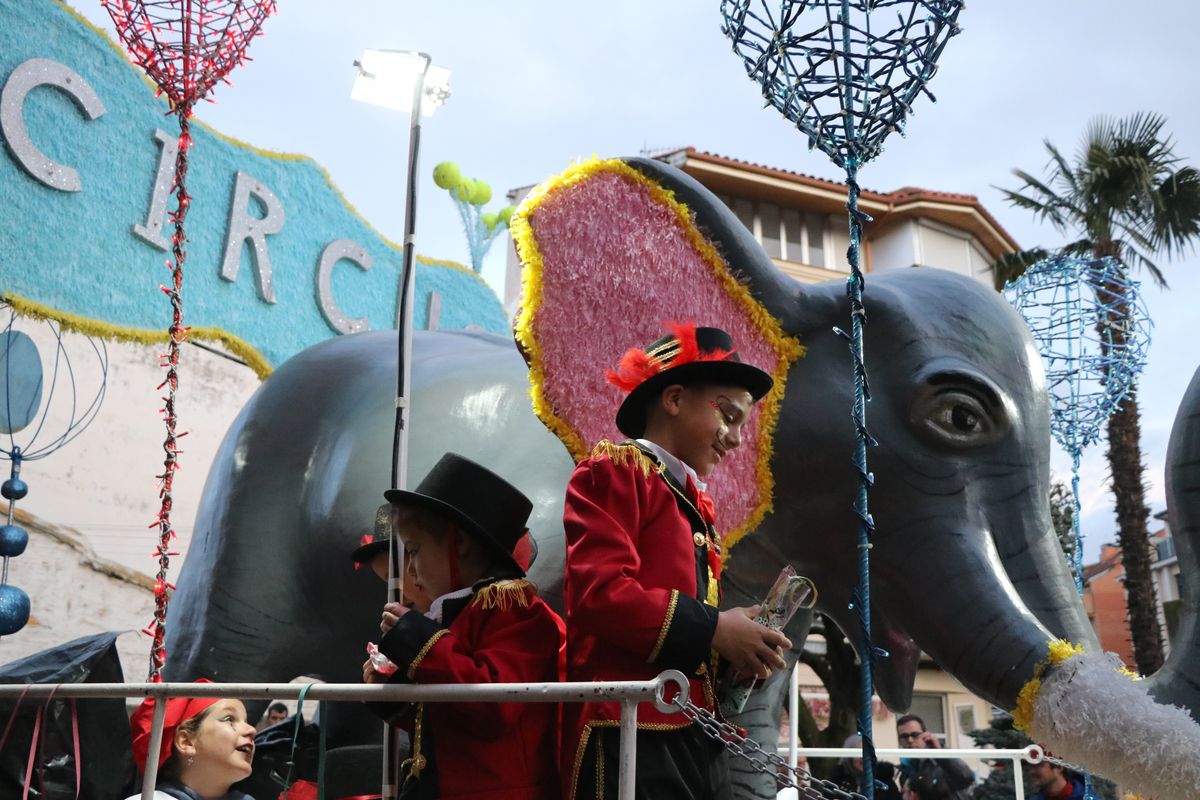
x=1087 y=710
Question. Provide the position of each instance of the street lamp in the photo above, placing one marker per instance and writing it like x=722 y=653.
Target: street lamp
x=389 y=78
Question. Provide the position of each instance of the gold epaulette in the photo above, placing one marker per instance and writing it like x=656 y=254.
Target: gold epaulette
x=503 y=594
x=626 y=455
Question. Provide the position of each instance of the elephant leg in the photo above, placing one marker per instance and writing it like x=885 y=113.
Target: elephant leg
x=763 y=715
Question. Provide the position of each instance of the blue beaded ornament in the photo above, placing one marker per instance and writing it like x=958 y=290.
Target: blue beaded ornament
x=846 y=73
x=25 y=399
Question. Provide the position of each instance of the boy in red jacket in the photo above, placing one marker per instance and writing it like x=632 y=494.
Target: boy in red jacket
x=486 y=624
x=643 y=564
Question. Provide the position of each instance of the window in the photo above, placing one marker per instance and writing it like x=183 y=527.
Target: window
x=772 y=233
x=816 y=240
x=784 y=233
x=929 y=708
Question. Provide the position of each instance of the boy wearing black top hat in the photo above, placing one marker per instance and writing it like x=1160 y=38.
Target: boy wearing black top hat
x=466 y=546
x=644 y=562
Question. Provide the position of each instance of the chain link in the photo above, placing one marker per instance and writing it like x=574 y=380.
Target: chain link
x=808 y=786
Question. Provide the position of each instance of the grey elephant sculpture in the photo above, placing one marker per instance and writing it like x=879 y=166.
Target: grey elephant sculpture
x=966 y=566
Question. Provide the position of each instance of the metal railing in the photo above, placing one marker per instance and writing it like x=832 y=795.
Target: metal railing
x=628 y=693
x=1032 y=754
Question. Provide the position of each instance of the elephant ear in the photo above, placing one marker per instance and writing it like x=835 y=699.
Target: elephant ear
x=609 y=254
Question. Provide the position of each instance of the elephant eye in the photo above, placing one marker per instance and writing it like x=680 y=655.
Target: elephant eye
x=958 y=410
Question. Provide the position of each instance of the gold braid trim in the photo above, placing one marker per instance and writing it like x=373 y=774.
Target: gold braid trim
x=1059 y=651
x=416 y=662
x=411 y=767
x=504 y=594
x=662 y=634
x=626 y=455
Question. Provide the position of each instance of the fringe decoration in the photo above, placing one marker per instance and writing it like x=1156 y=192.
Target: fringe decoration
x=787 y=347
x=1058 y=651
x=1088 y=714
x=111 y=332
x=626 y=455
x=504 y=594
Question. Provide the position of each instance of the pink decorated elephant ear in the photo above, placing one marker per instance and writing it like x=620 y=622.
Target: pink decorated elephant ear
x=610 y=255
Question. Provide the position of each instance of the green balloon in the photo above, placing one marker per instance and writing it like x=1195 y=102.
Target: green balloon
x=462 y=190
x=506 y=214
x=491 y=219
x=446 y=175
x=483 y=193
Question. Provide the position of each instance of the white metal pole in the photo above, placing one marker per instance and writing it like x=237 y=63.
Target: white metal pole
x=793 y=716
x=627 y=772
x=404 y=302
x=1018 y=779
x=156 y=732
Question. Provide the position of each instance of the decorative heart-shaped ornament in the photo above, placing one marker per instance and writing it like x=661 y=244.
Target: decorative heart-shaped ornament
x=186 y=46
x=845 y=72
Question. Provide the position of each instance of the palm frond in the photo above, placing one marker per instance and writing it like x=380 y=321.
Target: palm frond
x=1011 y=266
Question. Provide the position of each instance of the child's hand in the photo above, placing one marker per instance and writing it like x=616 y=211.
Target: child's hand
x=392 y=612
x=370 y=675
x=751 y=648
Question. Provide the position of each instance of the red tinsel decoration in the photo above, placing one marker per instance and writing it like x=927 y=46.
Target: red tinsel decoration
x=186 y=47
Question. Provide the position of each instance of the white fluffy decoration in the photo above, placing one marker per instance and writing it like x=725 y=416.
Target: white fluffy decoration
x=1089 y=714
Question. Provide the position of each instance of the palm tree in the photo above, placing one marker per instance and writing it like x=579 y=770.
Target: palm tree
x=1126 y=196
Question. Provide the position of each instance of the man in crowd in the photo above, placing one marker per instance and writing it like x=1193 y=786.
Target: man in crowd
x=1054 y=783
x=928 y=778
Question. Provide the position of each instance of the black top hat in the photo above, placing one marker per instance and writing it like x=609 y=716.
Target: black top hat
x=687 y=355
x=480 y=502
x=379 y=539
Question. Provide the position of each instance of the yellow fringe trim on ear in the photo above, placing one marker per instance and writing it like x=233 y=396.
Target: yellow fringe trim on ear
x=503 y=594
x=110 y=332
x=1128 y=673
x=1059 y=651
x=626 y=455
x=787 y=348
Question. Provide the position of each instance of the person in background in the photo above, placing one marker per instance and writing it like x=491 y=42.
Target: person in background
x=276 y=713
x=1054 y=782
x=931 y=779
x=848 y=773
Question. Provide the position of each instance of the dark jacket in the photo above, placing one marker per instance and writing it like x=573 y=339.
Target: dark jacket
x=937 y=779
x=885 y=773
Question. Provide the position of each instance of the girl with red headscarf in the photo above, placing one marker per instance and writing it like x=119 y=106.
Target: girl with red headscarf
x=207 y=746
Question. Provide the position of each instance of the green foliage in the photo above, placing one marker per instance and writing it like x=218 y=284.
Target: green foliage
x=1124 y=195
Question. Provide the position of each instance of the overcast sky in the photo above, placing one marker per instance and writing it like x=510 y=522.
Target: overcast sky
x=538 y=84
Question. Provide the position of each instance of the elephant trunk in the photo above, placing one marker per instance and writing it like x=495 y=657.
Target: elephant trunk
x=966 y=613
x=1178 y=682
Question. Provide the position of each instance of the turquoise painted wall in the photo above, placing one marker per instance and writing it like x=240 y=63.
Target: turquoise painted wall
x=76 y=252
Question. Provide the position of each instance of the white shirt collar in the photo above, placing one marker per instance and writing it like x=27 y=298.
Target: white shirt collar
x=679 y=470
x=435 y=608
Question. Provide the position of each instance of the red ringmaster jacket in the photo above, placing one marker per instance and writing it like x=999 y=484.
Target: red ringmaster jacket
x=501 y=633
x=638 y=572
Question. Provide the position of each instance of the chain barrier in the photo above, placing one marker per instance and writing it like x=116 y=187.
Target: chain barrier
x=805 y=783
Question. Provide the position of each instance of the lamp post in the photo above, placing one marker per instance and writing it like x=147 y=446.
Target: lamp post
x=389 y=78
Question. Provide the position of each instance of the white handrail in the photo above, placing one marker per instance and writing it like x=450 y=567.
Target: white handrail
x=628 y=693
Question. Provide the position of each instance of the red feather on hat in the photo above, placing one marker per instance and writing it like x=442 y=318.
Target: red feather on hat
x=636 y=366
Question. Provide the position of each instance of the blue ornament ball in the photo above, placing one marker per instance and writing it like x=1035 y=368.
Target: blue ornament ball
x=14 y=489
x=14 y=609
x=12 y=541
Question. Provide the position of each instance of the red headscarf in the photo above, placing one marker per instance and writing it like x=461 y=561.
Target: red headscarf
x=179 y=710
